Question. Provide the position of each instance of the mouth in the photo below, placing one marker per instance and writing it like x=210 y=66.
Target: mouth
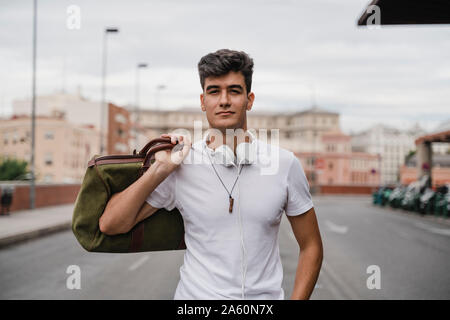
x=225 y=113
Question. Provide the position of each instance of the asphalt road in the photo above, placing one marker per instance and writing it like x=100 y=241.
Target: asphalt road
x=410 y=254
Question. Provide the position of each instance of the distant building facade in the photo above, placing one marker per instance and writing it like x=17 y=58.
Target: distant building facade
x=79 y=110
x=62 y=149
x=119 y=130
x=338 y=165
x=393 y=145
x=76 y=108
x=67 y=135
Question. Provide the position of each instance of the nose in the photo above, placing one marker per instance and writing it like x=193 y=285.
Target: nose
x=224 y=99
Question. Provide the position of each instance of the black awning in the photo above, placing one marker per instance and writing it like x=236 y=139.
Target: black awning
x=394 y=12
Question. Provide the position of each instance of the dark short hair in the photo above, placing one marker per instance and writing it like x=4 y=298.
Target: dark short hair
x=222 y=61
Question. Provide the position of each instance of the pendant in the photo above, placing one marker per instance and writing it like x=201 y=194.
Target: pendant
x=230 y=210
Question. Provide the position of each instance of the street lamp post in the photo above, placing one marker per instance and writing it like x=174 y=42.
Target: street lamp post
x=33 y=107
x=158 y=90
x=103 y=109
x=136 y=125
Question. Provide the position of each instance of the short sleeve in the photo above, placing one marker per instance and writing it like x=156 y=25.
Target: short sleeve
x=164 y=194
x=298 y=198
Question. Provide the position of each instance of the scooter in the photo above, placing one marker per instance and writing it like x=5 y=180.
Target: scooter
x=426 y=203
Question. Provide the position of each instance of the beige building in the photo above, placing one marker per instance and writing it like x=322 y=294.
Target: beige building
x=76 y=108
x=81 y=111
x=62 y=148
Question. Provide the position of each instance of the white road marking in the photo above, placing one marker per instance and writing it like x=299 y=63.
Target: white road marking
x=336 y=228
x=341 y=290
x=138 y=263
x=444 y=232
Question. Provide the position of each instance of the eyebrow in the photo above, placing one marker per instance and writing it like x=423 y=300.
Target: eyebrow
x=233 y=86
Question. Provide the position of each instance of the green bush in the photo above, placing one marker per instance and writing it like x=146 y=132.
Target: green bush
x=12 y=169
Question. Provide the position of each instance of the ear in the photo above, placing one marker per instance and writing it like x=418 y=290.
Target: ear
x=251 y=98
x=201 y=101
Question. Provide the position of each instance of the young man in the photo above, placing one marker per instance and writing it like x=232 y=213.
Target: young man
x=230 y=207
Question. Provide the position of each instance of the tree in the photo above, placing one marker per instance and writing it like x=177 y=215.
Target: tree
x=12 y=169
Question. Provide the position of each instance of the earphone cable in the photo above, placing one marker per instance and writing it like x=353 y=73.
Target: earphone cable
x=243 y=251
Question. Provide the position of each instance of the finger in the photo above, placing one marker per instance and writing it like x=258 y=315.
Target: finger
x=186 y=147
x=179 y=152
x=178 y=138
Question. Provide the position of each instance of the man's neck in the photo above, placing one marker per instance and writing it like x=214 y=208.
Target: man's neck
x=232 y=140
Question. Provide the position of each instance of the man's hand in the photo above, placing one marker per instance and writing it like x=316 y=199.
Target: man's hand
x=171 y=159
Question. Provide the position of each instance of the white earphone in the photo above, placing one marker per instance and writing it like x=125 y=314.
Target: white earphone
x=245 y=153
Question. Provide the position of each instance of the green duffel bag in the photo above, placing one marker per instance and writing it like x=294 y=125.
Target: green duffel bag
x=107 y=175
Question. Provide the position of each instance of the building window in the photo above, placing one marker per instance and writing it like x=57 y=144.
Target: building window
x=121 y=133
x=48 y=159
x=49 y=135
x=120 y=118
x=15 y=137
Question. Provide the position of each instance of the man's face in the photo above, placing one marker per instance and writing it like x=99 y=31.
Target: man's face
x=226 y=101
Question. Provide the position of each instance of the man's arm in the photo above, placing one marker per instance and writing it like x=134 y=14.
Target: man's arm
x=128 y=207
x=306 y=231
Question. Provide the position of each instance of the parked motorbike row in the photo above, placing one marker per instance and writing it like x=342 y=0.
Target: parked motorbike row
x=416 y=196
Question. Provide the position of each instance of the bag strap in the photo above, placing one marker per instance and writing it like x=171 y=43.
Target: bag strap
x=137 y=238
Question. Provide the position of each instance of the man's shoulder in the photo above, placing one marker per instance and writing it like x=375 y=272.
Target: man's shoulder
x=270 y=149
x=274 y=158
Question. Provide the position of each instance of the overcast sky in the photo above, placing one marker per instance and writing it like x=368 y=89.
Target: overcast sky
x=303 y=51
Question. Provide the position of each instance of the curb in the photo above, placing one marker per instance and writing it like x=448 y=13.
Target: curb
x=33 y=234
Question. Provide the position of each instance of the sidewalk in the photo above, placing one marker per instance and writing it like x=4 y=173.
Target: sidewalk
x=27 y=224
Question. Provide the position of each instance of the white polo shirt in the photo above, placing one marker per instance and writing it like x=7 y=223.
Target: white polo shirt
x=215 y=264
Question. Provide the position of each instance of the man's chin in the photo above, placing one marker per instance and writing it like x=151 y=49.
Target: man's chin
x=223 y=125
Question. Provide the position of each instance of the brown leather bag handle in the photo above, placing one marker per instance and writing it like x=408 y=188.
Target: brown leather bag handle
x=147 y=147
x=166 y=145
